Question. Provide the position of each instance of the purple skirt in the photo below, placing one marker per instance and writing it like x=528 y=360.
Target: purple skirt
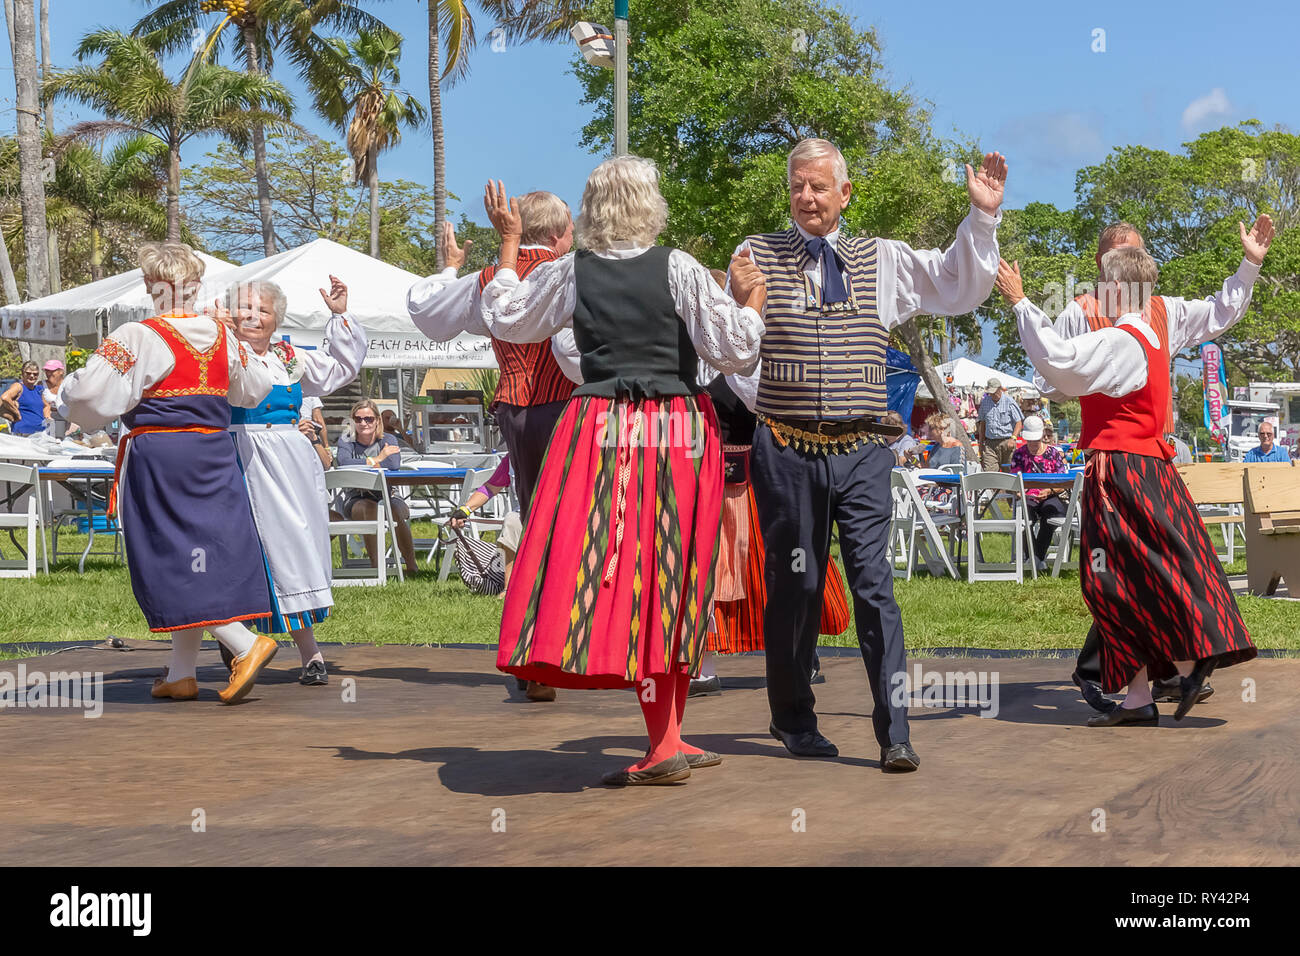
x=191 y=545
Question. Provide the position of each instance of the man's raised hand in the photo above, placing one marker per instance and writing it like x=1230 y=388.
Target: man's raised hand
x=455 y=255
x=1257 y=241
x=503 y=210
x=1008 y=282
x=985 y=187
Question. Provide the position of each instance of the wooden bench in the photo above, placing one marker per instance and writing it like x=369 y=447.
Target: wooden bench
x=1218 y=485
x=1272 y=500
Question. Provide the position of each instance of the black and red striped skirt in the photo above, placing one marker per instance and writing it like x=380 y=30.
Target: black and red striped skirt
x=1150 y=574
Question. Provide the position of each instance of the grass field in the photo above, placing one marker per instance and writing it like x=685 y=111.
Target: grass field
x=937 y=612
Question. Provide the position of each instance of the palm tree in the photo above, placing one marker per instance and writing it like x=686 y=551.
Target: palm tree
x=261 y=27
x=137 y=97
x=372 y=109
x=119 y=187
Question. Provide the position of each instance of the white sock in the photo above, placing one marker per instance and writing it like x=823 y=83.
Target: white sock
x=307 y=648
x=185 y=653
x=706 y=666
x=237 y=638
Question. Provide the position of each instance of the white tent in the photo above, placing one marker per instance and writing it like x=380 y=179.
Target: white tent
x=376 y=297
x=118 y=298
x=963 y=373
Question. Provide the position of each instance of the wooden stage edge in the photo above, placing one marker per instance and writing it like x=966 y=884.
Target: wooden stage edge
x=421 y=756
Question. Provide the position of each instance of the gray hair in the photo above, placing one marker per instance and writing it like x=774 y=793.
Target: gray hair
x=621 y=201
x=266 y=292
x=1135 y=270
x=808 y=150
x=545 y=216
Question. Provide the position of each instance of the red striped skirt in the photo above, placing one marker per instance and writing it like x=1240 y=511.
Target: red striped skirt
x=1149 y=572
x=613 y=581
x=739 y=622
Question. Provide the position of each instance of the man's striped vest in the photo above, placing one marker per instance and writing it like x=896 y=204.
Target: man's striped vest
x=529 y=373
x=1156 y=316
x=820 y=362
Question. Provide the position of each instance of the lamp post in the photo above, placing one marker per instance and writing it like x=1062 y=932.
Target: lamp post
x=620 y=77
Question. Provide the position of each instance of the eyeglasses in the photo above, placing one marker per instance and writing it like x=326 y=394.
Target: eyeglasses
x=363 y=421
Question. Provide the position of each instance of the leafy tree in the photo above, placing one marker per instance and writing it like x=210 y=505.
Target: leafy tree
x=259 y=29
x=137 y=97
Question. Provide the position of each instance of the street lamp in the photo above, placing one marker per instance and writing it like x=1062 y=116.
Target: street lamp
x=600 y=48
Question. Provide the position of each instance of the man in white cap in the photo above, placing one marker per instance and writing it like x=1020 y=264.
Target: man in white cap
x=998 y=426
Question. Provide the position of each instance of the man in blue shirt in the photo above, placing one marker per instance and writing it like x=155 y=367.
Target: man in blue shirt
x=1267 y=451
x=997 y=426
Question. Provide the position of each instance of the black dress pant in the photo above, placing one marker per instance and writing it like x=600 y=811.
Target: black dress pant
x=799 y=494
x=1040 y=510
x=527 y=430
x=1089 y=663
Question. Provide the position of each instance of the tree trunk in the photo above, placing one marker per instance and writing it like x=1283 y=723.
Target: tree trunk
x=374 y=202
x=945 y=341
x=174 y=191
x=96 y=254
x=9 y=21
x=259 y=153
x=32 y=189
x=7 y=274
x=56 y=272
x=435 y=121
x=911 y=337
x=45 y=72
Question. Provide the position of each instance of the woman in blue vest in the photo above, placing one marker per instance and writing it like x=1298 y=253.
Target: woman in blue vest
x=24 y=401
x=286 y=483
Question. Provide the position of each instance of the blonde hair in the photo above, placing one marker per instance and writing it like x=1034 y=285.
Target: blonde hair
x=808 y=150
x=941 y=423
x=366 y=403
x=621 y=201
x=172 y=272
x=545 y=217
x=1134 y=270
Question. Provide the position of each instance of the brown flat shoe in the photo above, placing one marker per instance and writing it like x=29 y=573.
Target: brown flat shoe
x=673 y=769
x=247 y=667
x=187 y=688
x=706 y=759
x=536 y=691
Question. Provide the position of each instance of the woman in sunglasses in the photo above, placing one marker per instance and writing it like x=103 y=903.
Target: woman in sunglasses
x=372 y=447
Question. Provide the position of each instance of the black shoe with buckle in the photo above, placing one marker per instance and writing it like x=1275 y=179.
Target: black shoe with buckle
x=313 y=675
x=1092 y=694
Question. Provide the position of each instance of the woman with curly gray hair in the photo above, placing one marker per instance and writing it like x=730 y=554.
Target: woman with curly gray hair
x=614 y=577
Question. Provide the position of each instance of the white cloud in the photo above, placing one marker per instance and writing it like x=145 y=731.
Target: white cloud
x=1213 y=104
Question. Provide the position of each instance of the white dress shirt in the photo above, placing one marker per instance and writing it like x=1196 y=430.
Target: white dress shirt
x=913 y=281
x=325 y=370
x=1191 y=321
x=724 y=333
x=1109 y=360
x=98 y=393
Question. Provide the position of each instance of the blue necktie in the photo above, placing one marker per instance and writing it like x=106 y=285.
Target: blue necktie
x=832 y=282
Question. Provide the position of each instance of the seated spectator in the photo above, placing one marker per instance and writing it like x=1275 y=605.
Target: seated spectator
x=393 y=427
x=512 y=529
x=371 y=447
x=1037 y=456
x=947 y=448
x=1267 y=450
x=24 y=402
x=904 y=445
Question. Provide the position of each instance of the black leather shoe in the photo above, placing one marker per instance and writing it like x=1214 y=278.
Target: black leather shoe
x=665 y=771
x=1092 y=694
x=313 y=675
x=817 y=677
x=806 y=744
x=706 y=759
x=1170 y=691
x=1194 y=686
x=705 y=687
x=899 y=758
x=1140 y=716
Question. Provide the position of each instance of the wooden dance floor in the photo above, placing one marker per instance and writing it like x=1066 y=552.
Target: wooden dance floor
x=432 y=762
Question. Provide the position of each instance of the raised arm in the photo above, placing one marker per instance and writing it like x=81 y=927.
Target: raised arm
x=1200 y=320
x=527 y=310
x=338 y=361
x=726 y=334
x=442 y=306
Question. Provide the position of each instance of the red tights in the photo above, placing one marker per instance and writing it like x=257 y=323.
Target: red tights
x=663 y=702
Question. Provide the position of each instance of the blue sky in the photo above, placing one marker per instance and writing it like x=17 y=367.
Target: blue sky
x=1020 y=77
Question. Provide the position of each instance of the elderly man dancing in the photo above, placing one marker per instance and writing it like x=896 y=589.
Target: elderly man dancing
x=191 y=545
x=821 y=451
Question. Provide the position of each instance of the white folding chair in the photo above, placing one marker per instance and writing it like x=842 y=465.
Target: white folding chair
x=475 y=526
x=911 y=515
x=32 y=520
x=973 y=490
x=381 y=526
x=1068 y=531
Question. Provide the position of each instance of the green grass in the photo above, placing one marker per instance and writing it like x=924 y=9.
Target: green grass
x=937 y=612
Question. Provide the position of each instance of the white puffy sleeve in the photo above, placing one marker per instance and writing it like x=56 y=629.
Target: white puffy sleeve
x=726 y=334
x=1192 y=322
x=746 y=386
x=338 y=361
x=442 y=306
x=565 y=351
x=532 y=309
x=952 y=282
x=1109 y=360
x=115 y=377
x=251 y=376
